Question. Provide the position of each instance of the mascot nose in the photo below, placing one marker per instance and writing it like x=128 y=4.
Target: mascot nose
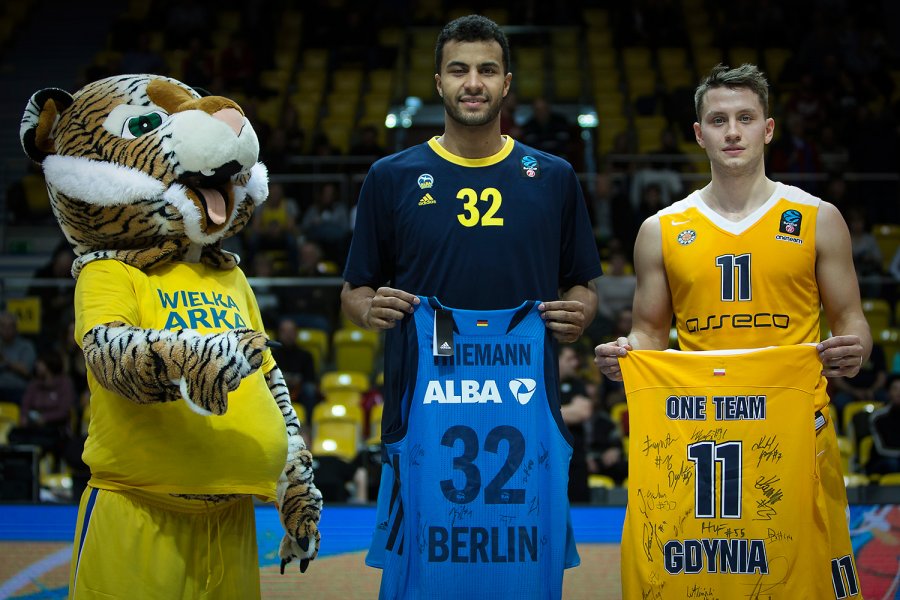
x=231 y=117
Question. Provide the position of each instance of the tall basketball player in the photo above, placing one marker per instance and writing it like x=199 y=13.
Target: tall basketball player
x=481 y=222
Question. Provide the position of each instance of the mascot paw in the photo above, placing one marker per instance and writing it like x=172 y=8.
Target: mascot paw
x=218 y=364
x=305 y=549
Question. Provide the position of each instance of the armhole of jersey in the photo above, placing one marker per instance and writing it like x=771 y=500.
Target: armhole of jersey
x=401 y=366
x=551 y=383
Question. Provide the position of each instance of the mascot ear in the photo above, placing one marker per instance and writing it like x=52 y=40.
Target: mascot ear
x=36 y=131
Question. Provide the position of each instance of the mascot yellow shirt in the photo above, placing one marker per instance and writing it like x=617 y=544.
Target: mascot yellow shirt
x=166 y=447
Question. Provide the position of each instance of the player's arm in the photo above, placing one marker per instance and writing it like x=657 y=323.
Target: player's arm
x=652 y=308
x=851 y=342
x=568 y=317
x=579 y=410
x=376 y=309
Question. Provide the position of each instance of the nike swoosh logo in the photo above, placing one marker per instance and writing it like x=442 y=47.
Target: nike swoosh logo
x=674 y=223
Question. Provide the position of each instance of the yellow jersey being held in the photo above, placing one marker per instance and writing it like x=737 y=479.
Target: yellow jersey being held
x=744 y=284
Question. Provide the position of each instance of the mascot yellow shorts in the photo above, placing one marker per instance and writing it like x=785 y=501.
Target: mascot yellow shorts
x=136 y=546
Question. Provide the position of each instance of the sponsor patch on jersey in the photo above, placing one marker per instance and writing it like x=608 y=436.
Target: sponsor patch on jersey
x=427 y=199
x=523 y=389
x=790 y=222
x=687 y=237
x=530 y=167
x=425 y=181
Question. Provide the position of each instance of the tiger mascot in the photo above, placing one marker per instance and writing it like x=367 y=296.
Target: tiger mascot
x=190 y=415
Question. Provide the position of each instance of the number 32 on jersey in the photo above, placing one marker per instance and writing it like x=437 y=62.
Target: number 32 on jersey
x=472 y=216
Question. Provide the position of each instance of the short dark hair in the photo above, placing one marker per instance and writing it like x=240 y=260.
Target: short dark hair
x=745 y=76
x=471 y=28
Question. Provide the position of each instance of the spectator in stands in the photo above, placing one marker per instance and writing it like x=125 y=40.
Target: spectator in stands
x=669 y=156
x=17 y=356
x=141 y=58
x=185 y=20
x=57 y=297
x=198 y=66
x=274 y=230
x=327 y=222
x=615 y=290
x=794 y=151
x=366 y=143
x=885 y=427
x=866 y=253
x=73 y=359
x=47 y=406
x=613 y=392
x=576 y=408
x=868 y=385
x=238 y=66
x=547 y=129
x=27 y=201
x=297 y=365
x=508 y=124
x=606 y=453
x=894 y=268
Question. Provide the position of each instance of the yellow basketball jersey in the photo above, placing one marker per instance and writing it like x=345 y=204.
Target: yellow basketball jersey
x=723 y=477
x=746 y=284
x=167 y=448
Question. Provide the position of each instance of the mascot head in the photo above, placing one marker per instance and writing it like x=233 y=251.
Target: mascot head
x=145 y=169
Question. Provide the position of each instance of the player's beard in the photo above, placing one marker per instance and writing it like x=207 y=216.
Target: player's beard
x=473 y=119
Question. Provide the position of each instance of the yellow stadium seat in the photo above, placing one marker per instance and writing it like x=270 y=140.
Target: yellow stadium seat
x=300 y=411
x=375 y=425
x=314 y=341
x=855 y=480
x=336 y=438
x=9 y=418
x=315 y=59
x=890 y=479
x=617 y=412
x=775 y=59
x=355 y=350
x=845 y=447
x=887 y=236
x=337 y=381
x=864 y=453
x=740 y=55
x=854 y=407
x=889 y=340
x=337 y=411
x=636 y=58
x=878 y=313
x=671 y=58
x=601 y=481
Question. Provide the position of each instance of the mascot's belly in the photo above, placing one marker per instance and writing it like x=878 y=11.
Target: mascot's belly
x=168 y=448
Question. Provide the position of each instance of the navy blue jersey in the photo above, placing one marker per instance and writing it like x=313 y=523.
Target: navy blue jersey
x=479 y=234
x=473 y=501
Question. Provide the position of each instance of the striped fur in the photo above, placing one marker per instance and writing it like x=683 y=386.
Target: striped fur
x=299 y=501
x=158 y=365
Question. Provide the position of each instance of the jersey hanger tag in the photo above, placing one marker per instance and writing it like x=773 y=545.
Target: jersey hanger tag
x=442 y=344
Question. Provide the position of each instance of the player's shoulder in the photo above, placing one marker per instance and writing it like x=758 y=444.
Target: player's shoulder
x=680 y=207
x=546 y=161
x=404 y=159
x=792 y=193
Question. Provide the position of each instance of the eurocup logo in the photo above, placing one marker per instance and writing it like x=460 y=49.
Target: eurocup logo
x=523 y=389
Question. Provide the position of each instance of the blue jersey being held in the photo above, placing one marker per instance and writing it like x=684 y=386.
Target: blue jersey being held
x=473 y=502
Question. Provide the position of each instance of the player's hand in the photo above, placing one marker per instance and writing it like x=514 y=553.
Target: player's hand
x=841 y=356
x=606 y=356
x=564 y=318
x=388 y=306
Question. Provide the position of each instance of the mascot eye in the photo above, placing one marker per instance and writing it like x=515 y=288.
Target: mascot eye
x=137 y=126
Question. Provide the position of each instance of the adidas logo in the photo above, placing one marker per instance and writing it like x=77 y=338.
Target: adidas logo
x=427 y=199
x=445 y=346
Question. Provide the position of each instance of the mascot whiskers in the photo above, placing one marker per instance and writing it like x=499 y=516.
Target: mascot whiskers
x=190 y=415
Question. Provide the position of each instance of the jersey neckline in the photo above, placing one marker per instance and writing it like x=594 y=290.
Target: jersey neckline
x=472 y=162
x=737 y=227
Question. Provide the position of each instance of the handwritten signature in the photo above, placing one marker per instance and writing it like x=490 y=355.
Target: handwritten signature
x=768 y=450
x=772 y=495
x=657 y=444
